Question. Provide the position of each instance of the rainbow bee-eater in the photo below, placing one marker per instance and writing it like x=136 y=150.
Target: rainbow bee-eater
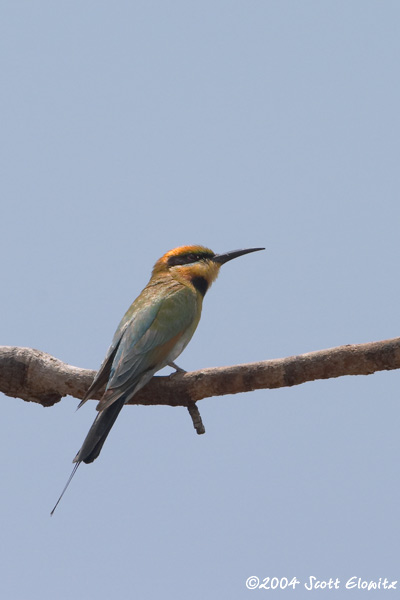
x=153 y=332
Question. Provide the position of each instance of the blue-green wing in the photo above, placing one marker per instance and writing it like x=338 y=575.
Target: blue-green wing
x=153 y=336
x=141 y=317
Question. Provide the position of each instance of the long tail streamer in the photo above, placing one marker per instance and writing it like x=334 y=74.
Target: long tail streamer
x=66 y=485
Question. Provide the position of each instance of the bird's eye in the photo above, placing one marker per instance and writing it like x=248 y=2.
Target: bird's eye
x=186 y=259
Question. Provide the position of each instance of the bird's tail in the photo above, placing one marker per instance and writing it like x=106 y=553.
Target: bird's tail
x=95 y=439
x=98 y=432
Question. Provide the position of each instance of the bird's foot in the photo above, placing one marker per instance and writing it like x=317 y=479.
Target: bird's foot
x=177 y=369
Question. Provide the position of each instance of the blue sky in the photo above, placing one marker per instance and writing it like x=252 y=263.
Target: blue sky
x=132 y=128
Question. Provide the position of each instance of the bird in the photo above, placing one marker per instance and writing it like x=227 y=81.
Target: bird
x=153 y=332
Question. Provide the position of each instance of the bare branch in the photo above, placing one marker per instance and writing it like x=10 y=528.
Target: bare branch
x=196 y=418
x=38 y=377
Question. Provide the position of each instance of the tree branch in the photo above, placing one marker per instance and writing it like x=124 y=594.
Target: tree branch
x=38 y=377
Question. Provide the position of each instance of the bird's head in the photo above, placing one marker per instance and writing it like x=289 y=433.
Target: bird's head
x=196 y=264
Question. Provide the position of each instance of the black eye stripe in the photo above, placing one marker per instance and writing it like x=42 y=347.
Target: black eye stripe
x=187 y=259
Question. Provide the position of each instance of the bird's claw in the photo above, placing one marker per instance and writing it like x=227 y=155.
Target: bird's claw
x=177 y=369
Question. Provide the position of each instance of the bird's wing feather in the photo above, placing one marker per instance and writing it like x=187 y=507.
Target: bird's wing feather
x=103 y=373
x=147 y=341
x=142 y=317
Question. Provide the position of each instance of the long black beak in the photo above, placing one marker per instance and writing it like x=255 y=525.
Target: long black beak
x=223 y=258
